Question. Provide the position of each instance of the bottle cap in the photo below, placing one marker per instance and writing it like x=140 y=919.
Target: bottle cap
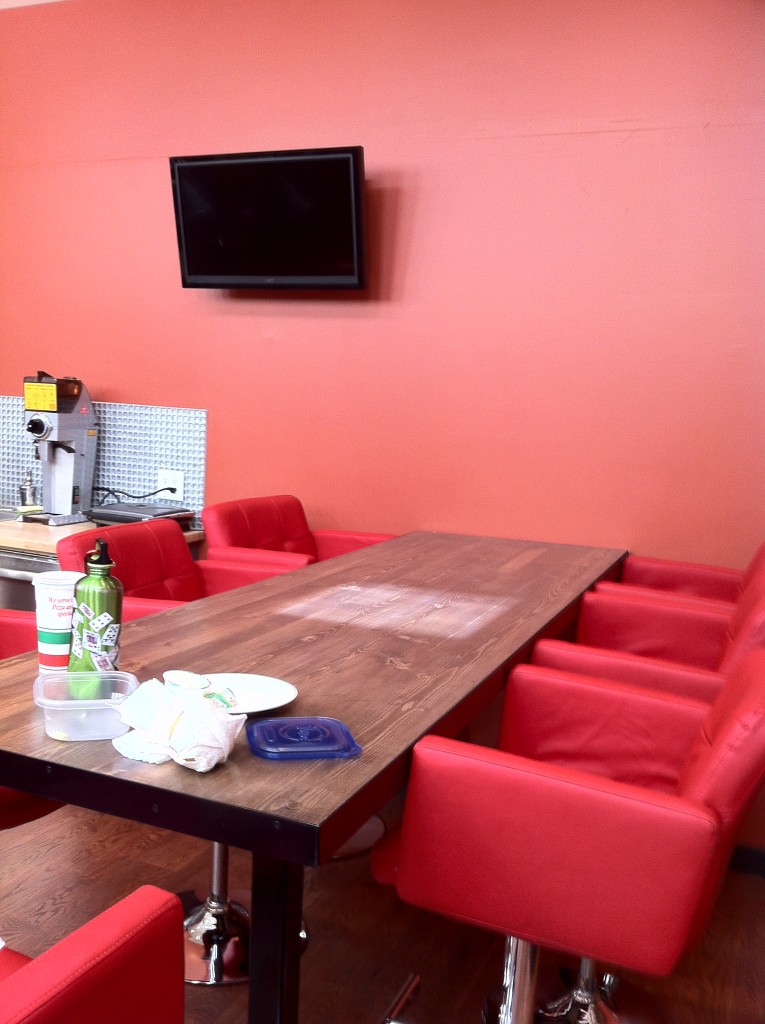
x=99 y=555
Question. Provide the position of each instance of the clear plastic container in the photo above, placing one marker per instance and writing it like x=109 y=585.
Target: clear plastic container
x=291 y=738
x=83 y=705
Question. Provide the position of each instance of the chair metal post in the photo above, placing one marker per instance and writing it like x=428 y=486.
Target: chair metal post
x=217 y=933
x=519 y=982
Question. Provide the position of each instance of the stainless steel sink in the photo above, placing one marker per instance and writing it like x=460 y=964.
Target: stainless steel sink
x=8 y=513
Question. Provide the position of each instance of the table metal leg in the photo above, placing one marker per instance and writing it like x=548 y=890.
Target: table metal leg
x=275 y=920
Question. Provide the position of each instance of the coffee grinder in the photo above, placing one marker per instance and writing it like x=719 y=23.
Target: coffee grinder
x=59 y=415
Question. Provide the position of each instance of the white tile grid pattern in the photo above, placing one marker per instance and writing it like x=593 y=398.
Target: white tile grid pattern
x=135 y=442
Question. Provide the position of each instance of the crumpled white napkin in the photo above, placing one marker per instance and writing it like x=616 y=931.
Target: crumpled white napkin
x=174 y=725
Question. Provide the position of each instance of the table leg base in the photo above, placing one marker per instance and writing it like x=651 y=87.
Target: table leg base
x=216 y=943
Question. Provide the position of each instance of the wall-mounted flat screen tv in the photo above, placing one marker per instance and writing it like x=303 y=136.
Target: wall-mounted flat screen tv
x=283 y=219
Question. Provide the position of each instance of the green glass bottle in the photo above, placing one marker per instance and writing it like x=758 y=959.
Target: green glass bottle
x=97 y=615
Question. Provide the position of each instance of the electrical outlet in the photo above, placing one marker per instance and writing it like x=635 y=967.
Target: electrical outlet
x=170 y=478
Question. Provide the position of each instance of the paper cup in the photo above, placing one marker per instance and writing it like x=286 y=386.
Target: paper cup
x=54 y=601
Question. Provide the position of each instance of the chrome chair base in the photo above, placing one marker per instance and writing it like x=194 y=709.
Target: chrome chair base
x=216 y=943
x=588 y=1002
x=217 y=933
x=514 y=1003
x=573 y=1009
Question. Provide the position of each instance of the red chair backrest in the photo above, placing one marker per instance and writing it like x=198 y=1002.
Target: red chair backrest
x=746 y=628
x=276 y=523
x=18 y=632
x=746 y=632
x=151 y=559
x=726 y=764
x=755 y=567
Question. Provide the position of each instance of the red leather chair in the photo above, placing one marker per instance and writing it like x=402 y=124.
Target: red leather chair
x=635 y=638
x=273 y=532
x=125 y=965
x=602 y=828
x=710 y=582
x=153 y=562
x=18 y=634
x=670 y=644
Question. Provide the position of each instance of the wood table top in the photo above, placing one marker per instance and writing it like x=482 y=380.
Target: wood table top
x=395 y=640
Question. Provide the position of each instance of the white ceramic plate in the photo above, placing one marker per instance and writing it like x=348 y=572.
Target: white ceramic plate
x=253 y=693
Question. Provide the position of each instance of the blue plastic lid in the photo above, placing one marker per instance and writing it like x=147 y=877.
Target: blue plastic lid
x=285 y=738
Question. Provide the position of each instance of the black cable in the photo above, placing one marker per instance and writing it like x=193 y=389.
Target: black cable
x=106 y=491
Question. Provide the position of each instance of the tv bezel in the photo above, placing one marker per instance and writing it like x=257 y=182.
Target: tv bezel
x=357 y=280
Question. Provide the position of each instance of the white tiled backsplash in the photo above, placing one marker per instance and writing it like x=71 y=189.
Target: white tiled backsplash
x=134 y=442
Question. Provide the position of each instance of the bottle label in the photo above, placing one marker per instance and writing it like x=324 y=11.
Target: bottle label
x=95 y=640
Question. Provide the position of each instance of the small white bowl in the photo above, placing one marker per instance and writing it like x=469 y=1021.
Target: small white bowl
x=188 y=682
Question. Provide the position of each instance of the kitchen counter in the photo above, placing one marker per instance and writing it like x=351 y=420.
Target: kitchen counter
x=39 y=539
x=34 y=537
x=30 y=548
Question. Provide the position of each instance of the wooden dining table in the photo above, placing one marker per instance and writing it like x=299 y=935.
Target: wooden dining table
x=410 y=636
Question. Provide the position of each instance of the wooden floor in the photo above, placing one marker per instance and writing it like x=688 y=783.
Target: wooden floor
x=58 y=872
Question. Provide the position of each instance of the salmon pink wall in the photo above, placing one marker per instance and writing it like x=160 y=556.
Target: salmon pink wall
x=564 y=333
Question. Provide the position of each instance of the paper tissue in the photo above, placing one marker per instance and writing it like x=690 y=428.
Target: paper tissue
x=173 y=724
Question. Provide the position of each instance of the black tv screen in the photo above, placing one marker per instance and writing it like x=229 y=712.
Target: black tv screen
x=284 y=219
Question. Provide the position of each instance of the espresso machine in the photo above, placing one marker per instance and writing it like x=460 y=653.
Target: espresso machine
x=59 y=415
